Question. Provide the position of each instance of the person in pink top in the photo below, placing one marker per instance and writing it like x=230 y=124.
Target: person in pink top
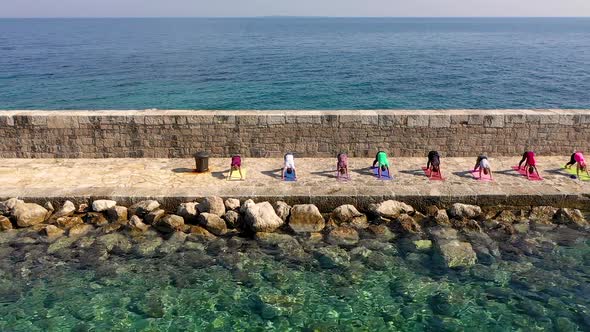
x=342 y=166
x=578 y=159
x=236 y=165
x=530 y=164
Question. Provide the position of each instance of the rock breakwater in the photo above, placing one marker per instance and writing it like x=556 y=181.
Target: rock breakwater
x=455 y=236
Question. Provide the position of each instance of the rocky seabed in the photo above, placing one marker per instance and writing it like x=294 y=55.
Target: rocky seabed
x=456 y=237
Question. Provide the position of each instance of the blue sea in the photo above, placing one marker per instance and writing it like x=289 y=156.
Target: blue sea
x=295 y=63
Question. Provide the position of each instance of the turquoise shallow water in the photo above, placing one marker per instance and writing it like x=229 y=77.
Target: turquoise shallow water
x=540 y=283
x=294 y=63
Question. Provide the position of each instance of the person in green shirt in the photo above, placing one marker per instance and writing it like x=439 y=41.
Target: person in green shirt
x=381 y=162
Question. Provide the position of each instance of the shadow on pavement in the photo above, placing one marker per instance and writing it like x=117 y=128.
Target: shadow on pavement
x=329 y=174
x=275 y=173
x=184 y=170
x=415 y=172
x=510 y=172
x=464 y=174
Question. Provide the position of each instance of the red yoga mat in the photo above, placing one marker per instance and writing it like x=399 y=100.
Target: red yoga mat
x=533 y=176
x=484 y=177
x=435 y=176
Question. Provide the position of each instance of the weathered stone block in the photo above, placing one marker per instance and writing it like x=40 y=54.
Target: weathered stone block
x=493 y=121
x=418 y=121
x=440 y=121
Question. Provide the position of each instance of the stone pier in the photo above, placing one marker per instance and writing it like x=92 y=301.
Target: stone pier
x=172 y=181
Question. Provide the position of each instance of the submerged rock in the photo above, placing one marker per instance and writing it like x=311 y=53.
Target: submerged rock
x=275 y=239
x=332 y=257
x=79 y=230
x=455 y=253
x=486 y=249
x=213 y=205
x=147 y=246
x=198 y=233
x=261 y=217
x=442 y=233
x=173 y=243
x=213 y=223
x=306 y=218
x=390 y=209
x=115 y=242
x=459 y=210
x=350 y=215
x=60 y=244
x=52 y=231
x=29 y=214
x=343 y=236
x=379 y=232
x=422 y=245
x=103 y=205
x=282 y=210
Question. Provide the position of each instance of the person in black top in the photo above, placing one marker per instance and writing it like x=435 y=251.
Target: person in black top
x=433 y=163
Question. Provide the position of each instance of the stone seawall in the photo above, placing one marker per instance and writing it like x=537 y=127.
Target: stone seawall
x=176 y=133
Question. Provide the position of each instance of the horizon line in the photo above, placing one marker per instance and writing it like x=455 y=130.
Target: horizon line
x=270 y=16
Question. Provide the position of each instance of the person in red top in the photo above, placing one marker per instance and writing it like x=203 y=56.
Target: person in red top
x=236 y=165
x=530 y=164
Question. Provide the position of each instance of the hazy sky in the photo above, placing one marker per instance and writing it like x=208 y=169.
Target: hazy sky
x=116 y=8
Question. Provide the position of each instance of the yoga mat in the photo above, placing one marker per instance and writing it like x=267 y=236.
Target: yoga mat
x=476 y=176
x=290 y=177
x=435 y=177
x=572 y=171
x=384 y=175
x=522 y=172
x=236 y=175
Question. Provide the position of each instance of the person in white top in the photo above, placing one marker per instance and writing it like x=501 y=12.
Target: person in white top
x=483 y=164
x=289 y=166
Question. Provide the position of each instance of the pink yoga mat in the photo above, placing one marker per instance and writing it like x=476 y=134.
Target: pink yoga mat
x=435 y=177
x=533 y=177
x=475 y=175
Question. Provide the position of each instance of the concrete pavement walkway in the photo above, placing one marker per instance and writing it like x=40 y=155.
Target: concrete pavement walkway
x=173 y=180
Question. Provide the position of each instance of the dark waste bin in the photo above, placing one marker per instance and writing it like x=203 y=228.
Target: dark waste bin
x=202 y=161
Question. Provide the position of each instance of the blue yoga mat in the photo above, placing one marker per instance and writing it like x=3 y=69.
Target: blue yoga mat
x=384 y=175
x=290 y=177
